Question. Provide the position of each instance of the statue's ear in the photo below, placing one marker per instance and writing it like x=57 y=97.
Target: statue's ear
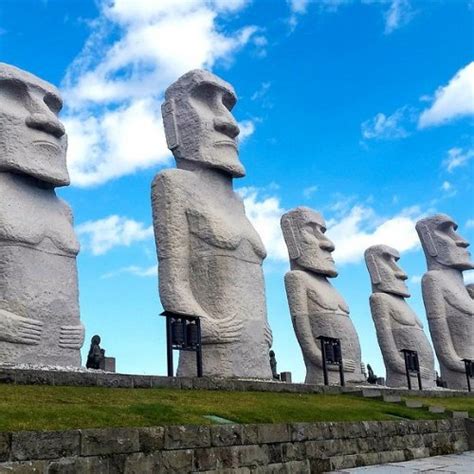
x=427 y=239
x=169 y=122
x=290 y=239
x=373 y=270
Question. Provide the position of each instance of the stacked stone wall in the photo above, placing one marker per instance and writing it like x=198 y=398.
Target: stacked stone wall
x=276 y=448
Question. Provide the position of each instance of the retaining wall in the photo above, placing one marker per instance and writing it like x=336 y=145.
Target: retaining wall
x=104 y=379
x=276 y=448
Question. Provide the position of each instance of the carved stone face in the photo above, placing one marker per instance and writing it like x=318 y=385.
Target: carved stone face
x=304 y=232
x=32 y=139
x=199 y=126
x=442 y=245
x=385 y=274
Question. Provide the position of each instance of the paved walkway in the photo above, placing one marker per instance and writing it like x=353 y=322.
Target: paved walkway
x=453 y=463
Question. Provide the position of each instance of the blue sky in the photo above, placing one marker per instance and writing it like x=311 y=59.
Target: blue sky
x=359 y=109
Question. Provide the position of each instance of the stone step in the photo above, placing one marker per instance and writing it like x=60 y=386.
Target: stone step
x=435 y=409
x=392 y=398
x=369 y=393
x=460 y=414
x=413 y=403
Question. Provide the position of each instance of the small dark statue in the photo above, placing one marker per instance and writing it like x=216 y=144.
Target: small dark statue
x=440 y=382
x=96 y=356
x=372 y=378
x=273 y=365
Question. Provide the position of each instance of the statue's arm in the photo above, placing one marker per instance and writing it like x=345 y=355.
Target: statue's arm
x=434 y=301
x=298 y=302
x=19 y=330
x=172 y=238
x=382 y=320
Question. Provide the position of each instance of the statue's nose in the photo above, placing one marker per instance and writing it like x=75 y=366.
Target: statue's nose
x=46 y=123
x=227 y=127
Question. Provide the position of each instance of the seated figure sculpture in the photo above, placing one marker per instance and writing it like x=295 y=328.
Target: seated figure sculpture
x=449 y=306
x=39 y=307
x=397 y=326
x=210 y=256
x=316 y=307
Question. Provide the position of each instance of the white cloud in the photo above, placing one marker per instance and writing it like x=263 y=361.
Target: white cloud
x=468 y=277
x=265 y=212
x=115 y=87
x=247 y=127
x=458 y=157
x=399 y=14
x=454 y=100
x=309 y=191
x=416 y=279
x=102 y=235
x=262 y=91
x=298 y=6
x=383 y=127
x=470 y=223
x=135 y=270
x=446 y=186
x=354 y=232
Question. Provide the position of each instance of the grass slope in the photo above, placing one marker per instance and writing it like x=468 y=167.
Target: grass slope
x=57 y=408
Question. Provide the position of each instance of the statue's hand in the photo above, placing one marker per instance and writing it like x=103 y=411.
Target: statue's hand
x=220 y=331
x=268 y=334
x=71 y=337
x=349 y=365
x=19 y=330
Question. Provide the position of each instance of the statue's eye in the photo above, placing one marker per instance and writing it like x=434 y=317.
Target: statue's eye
x=13 y=90
x=54 y=103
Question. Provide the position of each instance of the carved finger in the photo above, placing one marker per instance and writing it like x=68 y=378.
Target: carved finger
x=27 y=323
x=29 y=341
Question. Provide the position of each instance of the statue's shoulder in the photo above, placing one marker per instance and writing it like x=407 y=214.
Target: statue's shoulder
x=174 y=178
x=432 y=277
x=380 y=298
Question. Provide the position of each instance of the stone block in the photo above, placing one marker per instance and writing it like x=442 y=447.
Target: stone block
x=315 y=450
x=75 y=379
x=34 y=377
x=460 y=414
x=273 y=433
x=293 y=451
x=416 y=453
x=226 y=435
x=436 y=409
x=151 y=439
x=469 y=423
x=75 y=465
x=164 y=382
x=308 y=431
x=186 y=383
x=141 y=381
x=5 y=443
x=249 y=434
x=274 y=453
x=392 y=398
x=178 y=461
x=109 y=441
x=108 y=364
x=140 y=463
x=209 y=459
x=7 y=376
x=115 y=380
x=343 y=462
x=29 y=445
x=371 y=393
x=285 y=377
x=24 y=467
x=386 y=457
x=292 y=467
x=367 y=459
x=191 y=436
x=250 y=456
x=413 y=403
x=319 y=465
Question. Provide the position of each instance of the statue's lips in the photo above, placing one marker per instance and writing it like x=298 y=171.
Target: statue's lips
x=48 y=144
x=226 y=143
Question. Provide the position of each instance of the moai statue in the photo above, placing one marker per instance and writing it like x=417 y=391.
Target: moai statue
x=449 y=306
x=397 y=326
x=39 y=307
x=210 y=256
x=316 y=307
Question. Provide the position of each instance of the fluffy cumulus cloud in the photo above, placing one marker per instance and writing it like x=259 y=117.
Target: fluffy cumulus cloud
x=458 y=157
x=361 y=227
x=454 y=100
x=115 y=86
x=102 y=235
x=387 y=127
x=265 y=211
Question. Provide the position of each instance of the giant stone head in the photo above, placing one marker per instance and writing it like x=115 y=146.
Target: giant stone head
x=199 y=127
x=32 y=139
x=442 y=245
x=386 y=276
x=304 y=232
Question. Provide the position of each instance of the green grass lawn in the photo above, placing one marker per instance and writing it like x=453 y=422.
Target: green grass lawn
x=49 y=408
x=454 y=403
